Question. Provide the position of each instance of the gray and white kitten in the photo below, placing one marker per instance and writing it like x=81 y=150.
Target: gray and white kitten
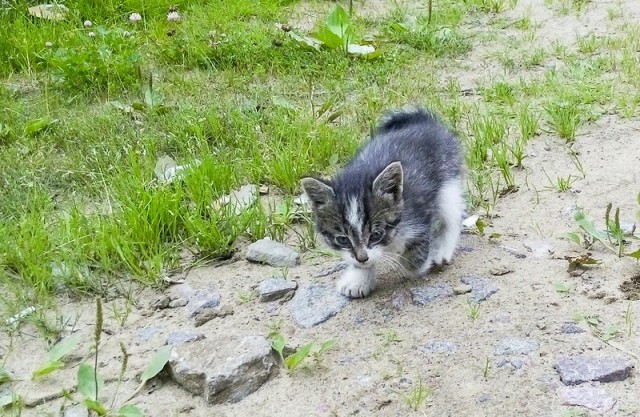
x=398 y=202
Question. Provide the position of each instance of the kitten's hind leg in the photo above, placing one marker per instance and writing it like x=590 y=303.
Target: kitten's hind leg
x=357 y=282
x=446 y=231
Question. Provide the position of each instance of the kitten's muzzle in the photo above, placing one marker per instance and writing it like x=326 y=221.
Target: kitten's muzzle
x=361 y=256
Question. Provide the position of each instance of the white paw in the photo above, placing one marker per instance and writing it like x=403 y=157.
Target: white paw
x=357 y=282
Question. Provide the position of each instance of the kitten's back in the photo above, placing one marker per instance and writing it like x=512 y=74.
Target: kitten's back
x=428 y=151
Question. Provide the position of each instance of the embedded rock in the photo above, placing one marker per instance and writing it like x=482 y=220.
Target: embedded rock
x=316 y=303
x=576 y=369
x=272 y=289
x=272 y=253
x=223 y=372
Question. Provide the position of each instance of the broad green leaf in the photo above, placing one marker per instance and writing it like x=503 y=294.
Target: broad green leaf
x=63 y=347
x=158 y=362
x=46 y=369
x=129 y=410
x=87 y=382
x=277 y=343
x=593 y=321
x=635 y=254
x=294 y=360
x=587 y=225
x=4 y=375
x=37 y=125
x=326 y=346
x=306 y=41
x=96 y=406
x=8 y=398
x=574 y=237
x=329 y=38
x=339 y=23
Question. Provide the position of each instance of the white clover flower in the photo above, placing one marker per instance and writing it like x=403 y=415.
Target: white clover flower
x=135 y=17
x=48 y=44
x=173 y=16
x=126 y=33
x=91 y=34
x=87 y=23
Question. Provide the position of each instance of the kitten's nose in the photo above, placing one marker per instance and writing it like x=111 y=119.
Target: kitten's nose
x=361 y=256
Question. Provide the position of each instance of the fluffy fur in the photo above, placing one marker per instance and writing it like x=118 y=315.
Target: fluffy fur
x=399 y=202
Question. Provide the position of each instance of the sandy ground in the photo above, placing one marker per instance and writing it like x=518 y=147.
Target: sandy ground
x=365 y=376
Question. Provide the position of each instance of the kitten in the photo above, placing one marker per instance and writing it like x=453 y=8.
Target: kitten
x=399 y=202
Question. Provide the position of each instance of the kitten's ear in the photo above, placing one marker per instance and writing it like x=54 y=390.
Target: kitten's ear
x=319 y=193
x=389 y=183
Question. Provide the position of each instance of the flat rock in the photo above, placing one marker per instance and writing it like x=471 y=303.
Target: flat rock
x=199 y=299
x=500 y=270
x=205 y=315
x=516 y=346
x=225 y=371
x=594 y=398
x=178 y=302
x=245 y=197
x=513 y=251
x=571 y=328
x=427 y=294
x=160 y=302
x=481 y=288
x=316 y=303
x=179 y=337
x=400 y=298
x=576 y=369
x=440 y=347
x=539 y=248
x=267 y=251
x=272 y=289
x=462 y=289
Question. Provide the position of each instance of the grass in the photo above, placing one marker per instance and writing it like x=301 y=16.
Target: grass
x=88 y=112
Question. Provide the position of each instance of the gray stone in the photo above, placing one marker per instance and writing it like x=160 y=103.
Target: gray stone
x=199 y=299
x=539 y=248
x=147 y=333
x=272 y=289
x=225 y=371
x=208 y=314
x=245 y=197
x=594 y=398
x=462 y=289
x=516 y=346
x=178 y=302
x=316 y=303
x=576 y=369
x=160 y=302
x=571 y=328
x=179 y=337
x=500 y=270
x=430 y=293
x=512 y=362
x=481 y=288
x=76 y=411
x=440 y=347
x=400 y=298
x=267 y=251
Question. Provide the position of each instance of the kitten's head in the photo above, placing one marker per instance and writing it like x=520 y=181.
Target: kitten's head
x=358 y=221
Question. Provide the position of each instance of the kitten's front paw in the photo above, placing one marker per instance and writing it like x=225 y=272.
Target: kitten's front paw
x=357 y=282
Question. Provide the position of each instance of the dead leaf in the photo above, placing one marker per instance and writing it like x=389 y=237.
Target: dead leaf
x=579 y=261
x=49 y=11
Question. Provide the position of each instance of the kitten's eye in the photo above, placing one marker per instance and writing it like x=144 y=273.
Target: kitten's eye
x=376 y=236
x=343 y=241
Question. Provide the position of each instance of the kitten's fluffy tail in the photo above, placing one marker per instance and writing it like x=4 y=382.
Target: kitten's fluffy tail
x=403 y=118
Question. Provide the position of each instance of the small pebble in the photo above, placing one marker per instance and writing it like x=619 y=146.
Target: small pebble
x=462 y=289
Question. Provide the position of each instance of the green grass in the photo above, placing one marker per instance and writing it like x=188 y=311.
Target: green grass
x=86 y=117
